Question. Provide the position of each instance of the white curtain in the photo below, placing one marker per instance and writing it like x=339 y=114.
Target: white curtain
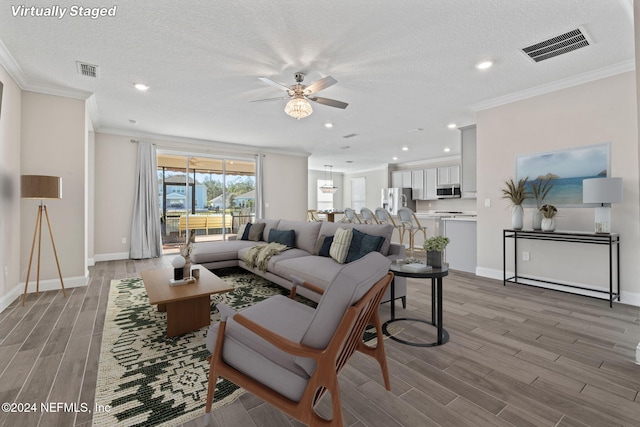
x=259 y=186
x=146 y=239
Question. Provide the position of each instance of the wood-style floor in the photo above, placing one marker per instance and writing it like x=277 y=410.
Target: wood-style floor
x=517 y=356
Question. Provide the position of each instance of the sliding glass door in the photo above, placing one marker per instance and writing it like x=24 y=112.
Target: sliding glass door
x=204 y=198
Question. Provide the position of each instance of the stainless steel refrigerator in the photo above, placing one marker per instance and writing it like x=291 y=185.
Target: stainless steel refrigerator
x=394 y=198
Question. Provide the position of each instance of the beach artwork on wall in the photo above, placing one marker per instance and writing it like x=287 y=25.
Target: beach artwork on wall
x=567 y=168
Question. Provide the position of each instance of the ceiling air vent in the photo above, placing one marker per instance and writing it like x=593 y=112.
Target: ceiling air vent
x=351 y=135
x=558 y=45
x=87 y=70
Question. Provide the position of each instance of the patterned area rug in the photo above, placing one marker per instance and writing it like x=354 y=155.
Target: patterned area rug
x=148 y=379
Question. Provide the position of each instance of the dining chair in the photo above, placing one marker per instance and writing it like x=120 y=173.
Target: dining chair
x=367 y=216
x=385 y=217
x=410 y=223
x=351 y=216
x=312 y=216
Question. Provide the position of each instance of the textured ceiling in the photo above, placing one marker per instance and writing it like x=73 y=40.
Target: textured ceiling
x=401 y=66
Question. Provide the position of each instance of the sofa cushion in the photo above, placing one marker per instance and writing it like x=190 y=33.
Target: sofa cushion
x=319 y=271
x=255 y=232
x=384 y=230
x=289 y=253
x=340 y=245
x=285 y=237
x=205 y=252
x=306 y=233
x=268 y=225
x=362 y=244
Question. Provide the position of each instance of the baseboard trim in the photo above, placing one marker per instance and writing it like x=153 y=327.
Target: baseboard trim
x=629 y=298
x=111 y=257
x=45 y=285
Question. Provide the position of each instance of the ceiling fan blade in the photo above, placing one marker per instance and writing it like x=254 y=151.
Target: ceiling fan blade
x=274 y=84
x=320 y=84
x=280 y=98
x=329 y=102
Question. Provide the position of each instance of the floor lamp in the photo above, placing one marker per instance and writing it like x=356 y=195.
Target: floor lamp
x=41 y=187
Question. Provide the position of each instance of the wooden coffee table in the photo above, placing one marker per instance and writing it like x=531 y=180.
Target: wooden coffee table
x=188 y=306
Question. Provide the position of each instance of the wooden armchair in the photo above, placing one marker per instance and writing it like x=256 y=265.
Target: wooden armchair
x=289 y=354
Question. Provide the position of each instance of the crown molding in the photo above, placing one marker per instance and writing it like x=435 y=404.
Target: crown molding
x=204 y=143
x=16 y=73
x=587 y=77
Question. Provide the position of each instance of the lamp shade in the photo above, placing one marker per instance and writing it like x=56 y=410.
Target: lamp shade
x=602 y=190
x=41 y=187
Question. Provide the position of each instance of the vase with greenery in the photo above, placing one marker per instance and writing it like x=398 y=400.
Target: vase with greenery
x=539 y=189
x=434 y=246
x=549 y=221
x=516 y=194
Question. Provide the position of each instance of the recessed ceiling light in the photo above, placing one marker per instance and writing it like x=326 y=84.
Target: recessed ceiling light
x=395 y=158
x=328 y=125
x=447 y=149
x=484 y=65
x=141 y=86
x=451 y=125
x=405 y=148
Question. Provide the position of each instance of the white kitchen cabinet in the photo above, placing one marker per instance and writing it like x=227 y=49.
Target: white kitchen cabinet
x=449 y=175
x=417 y=184
x=430 y=184
x=401 y=179
x=468 y=154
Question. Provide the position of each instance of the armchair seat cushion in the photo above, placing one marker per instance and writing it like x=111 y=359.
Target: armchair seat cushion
x=256 y=357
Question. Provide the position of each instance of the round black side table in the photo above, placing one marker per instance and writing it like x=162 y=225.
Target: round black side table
x=436 y=275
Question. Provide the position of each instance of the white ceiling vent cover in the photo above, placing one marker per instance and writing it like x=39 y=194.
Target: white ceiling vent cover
x=87 y=70
x=559 y=45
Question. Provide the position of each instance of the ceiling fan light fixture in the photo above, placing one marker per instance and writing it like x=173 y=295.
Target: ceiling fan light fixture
x=298 y=107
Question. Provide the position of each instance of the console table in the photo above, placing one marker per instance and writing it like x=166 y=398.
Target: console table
x=611 y=240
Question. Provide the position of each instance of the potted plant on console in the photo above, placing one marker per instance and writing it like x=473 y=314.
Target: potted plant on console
x=516 y=193
x=434 y=247
x=549 y=213
x=540 y=187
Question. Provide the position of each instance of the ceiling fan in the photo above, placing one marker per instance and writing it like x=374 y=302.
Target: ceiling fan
x=298 y=107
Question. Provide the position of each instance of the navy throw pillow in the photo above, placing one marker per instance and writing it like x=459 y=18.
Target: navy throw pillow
x=326 y=246
x=284 y=237
x=245 y=235
x=362 y=244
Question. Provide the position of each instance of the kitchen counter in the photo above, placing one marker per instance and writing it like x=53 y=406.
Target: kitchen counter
x=461 y=218
x=461 y=252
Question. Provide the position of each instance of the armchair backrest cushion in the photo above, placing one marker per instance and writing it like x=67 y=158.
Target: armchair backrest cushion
x=349 y=285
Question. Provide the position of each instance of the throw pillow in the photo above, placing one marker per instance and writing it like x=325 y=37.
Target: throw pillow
x=255 y=232
x=340 y=246
x=245 y=233
x=326 y=246
x=362 y=244
x=241 y=230
x=284 y=237
x=319 y=243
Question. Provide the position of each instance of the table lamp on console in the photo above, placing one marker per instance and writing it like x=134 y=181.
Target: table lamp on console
x=602 y=191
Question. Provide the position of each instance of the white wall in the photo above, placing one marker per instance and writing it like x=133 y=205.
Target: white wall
x=9 y=189
x=375 y=180
x=592 y=113
x=54 y=143
x=285 y=188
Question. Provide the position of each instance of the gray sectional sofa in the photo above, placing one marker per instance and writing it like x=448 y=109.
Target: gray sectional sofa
x=303 y=260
